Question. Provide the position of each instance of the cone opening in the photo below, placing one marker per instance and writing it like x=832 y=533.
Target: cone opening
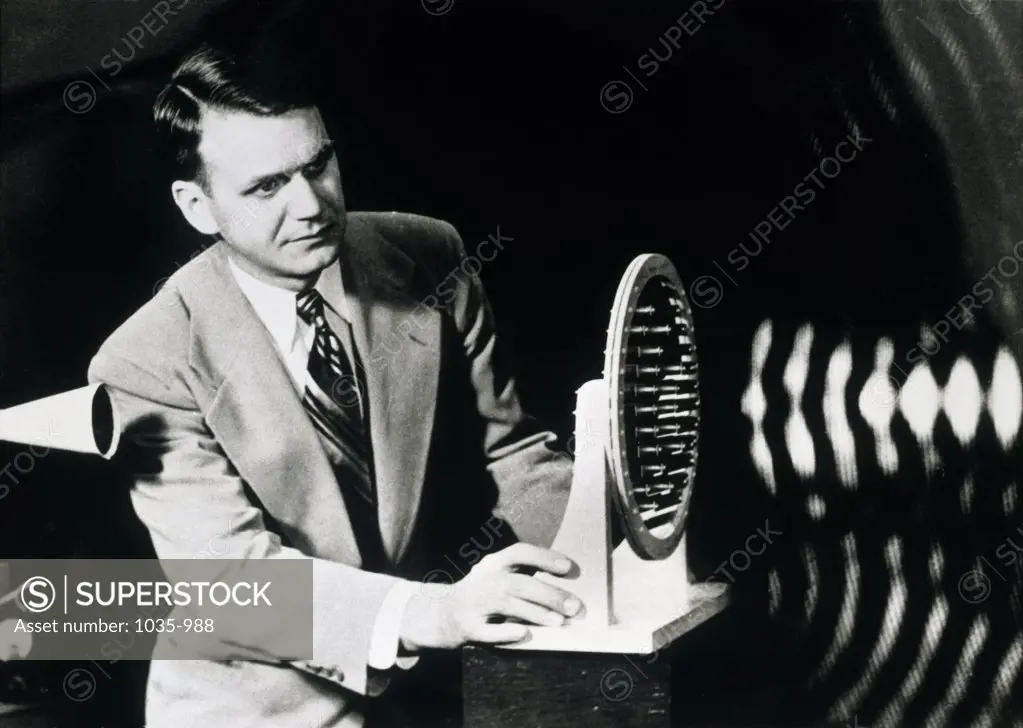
x=103 y=421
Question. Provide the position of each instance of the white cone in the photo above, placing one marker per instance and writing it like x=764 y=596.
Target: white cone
x=81 y=420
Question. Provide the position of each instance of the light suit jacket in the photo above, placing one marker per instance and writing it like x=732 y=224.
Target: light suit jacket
x=223 y=452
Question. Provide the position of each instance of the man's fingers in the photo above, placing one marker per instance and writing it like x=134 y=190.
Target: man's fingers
x=524 y=554
x=496 y=634
x=520 y=609
x=544 y=594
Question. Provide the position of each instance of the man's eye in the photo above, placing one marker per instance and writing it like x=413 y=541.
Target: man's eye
x=268 y=187
x=316 y=168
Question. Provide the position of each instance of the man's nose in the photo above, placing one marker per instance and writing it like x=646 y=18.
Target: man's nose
x=304 y=202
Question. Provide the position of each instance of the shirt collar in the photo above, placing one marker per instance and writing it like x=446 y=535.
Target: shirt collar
x=276 y=306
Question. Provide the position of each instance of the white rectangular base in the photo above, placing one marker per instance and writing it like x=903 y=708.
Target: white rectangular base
x=642 y=627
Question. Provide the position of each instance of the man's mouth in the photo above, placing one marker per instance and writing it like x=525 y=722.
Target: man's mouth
x=317 y=235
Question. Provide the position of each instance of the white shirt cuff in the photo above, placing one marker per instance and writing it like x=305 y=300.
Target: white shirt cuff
x=384 y=642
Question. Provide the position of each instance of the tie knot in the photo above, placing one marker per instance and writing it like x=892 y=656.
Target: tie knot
x=310 y=305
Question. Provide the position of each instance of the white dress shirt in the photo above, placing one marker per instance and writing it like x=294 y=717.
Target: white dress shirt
x=293 y=337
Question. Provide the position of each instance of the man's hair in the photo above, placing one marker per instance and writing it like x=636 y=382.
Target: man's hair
x=265 y=80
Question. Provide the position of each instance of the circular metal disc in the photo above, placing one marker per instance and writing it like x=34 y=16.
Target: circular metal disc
x=651 y=372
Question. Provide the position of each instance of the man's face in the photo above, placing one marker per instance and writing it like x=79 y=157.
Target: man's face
x=274 y=190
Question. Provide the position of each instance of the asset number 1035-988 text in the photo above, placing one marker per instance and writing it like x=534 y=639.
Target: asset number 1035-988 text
x=171 y=625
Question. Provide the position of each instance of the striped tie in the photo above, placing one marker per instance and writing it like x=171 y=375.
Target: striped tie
x=334 y=402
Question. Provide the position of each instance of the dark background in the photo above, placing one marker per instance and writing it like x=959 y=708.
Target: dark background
x=489 y=115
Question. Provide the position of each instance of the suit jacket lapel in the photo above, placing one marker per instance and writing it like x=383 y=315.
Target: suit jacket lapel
x=259 y=420
x=399 y=341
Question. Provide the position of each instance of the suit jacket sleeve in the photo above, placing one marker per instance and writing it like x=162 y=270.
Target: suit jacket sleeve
x=194 y=504
x=532 y=478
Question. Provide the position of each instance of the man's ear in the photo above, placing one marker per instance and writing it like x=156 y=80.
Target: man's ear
x=195 y=206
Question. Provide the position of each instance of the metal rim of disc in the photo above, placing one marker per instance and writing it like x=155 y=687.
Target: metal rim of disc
x=639 y=273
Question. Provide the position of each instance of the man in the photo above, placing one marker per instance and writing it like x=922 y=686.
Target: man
x=287 y=394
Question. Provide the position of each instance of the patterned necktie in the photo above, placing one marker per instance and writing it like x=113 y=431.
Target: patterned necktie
x=334 y=402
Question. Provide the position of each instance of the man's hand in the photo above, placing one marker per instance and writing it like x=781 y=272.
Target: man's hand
x=462 y=612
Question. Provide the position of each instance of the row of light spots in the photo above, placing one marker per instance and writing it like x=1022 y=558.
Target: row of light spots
x=918 y=400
